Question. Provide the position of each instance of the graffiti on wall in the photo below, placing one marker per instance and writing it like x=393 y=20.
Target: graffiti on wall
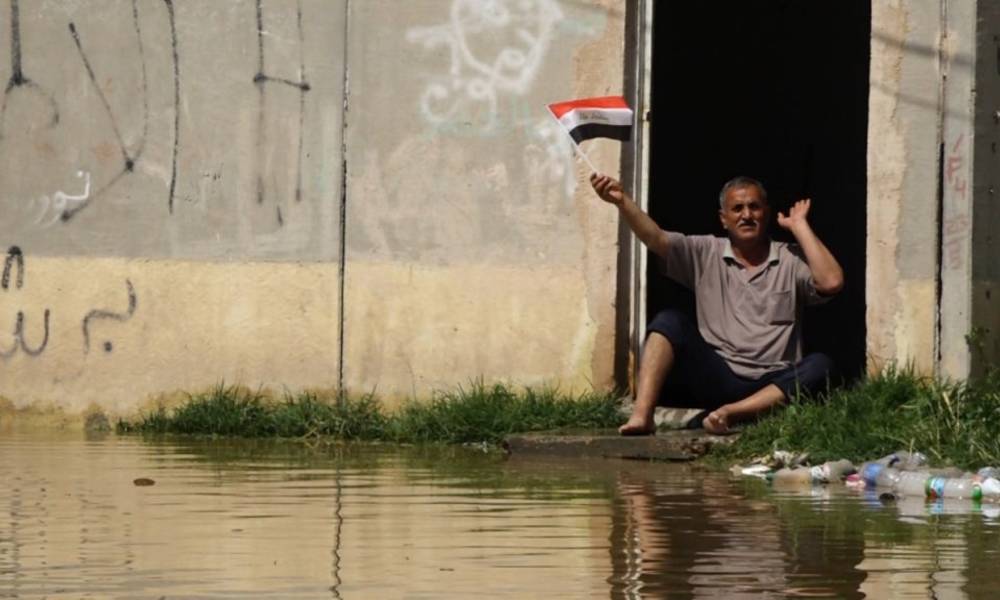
x=957 y=225
x=520 y=33
x=262 y=79
x=143 y=132
x=35 y=342
x=20 y=86
x=496 y=51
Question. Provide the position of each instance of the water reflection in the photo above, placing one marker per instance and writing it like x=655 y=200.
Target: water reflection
x=243 y=519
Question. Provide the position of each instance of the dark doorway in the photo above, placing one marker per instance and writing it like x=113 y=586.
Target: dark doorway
x=777 y=90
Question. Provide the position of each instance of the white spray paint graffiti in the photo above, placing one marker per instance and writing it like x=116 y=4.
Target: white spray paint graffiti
x=551 y=155
x=479 y=75
x=53 y=208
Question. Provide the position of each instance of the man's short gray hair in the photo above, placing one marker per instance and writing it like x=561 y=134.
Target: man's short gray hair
x=741 y=182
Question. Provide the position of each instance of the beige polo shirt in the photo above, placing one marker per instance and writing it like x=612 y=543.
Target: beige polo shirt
x=753 y=320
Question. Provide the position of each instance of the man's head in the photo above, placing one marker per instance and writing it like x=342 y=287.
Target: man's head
x=743 y=210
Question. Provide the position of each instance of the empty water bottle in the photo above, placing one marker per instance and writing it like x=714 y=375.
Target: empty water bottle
x=989 y=472
x=834 y=470
x=799 y=476
x=887 y=477
x=908 y=461
x=871 y=470
x=954 y=487
x=912 y=483
x=990 y=489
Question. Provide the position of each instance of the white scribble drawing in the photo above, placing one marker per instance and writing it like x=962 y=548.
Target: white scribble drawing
x=549 y=156
x=53 y=208
x=496 y=47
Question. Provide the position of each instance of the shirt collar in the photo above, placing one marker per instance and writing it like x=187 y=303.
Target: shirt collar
x=772 y=255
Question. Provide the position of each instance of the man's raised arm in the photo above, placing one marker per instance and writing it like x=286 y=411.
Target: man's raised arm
x=644 y=227
x=826 y=272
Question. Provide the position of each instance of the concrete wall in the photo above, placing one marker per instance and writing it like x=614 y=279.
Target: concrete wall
x=932 y=162
x=171 y=174
x=903 y=133
x=472 y=246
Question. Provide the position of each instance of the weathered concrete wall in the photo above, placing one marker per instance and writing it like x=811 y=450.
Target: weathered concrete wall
x=171 y=179
x=933 y=160
x=472 y=247
x=984 y=333
x=903 y=134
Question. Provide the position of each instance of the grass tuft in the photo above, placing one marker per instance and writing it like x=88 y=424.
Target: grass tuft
x=950 y=422
x=479 y=413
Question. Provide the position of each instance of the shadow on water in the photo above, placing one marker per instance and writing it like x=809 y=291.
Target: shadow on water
x=289 y=519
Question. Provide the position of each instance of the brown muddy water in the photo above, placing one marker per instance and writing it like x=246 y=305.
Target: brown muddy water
x=229 y=519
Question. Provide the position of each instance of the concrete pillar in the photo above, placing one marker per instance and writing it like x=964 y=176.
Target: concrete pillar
x=984 y=331
x=969 y=271
x=903 y=133
x=932 y=157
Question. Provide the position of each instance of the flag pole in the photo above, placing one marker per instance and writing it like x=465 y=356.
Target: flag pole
x=575 y=145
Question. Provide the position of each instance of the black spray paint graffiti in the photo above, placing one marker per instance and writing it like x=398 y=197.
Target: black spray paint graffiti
x=129 y=158
x=260 y=79
x=107 y=315
x=15 y=258
x=18 y=80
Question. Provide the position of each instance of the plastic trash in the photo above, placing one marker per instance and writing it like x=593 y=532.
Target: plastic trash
x=900 y=461
x=912 y=483
x=990 y=489
x=888 y=477
x=834 y=470
x=989 y=472
x=954 y=487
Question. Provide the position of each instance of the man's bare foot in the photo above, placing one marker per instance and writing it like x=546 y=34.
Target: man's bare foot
x=716 y=422
x=638 y=425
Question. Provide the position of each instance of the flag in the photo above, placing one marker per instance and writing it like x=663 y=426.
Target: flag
x=588 y=118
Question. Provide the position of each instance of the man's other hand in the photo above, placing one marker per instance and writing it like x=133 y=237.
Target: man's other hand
x=608 y=189
x=796 y=215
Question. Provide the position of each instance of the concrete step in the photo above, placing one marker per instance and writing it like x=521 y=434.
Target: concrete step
x=678 y=445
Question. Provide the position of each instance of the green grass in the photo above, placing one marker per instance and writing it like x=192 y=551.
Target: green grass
x=952 y=423
x=479 y=413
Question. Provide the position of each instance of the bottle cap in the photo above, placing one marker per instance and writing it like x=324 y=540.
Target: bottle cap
x=935 y=487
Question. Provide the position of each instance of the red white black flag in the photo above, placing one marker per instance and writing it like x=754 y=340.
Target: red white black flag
x=588 y=118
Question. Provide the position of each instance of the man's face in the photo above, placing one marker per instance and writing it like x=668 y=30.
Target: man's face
x=745 y=215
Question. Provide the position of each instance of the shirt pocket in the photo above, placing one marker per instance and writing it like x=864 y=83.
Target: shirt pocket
x=780 y=308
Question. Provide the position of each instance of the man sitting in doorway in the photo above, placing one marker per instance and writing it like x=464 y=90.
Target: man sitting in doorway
x=745 y=356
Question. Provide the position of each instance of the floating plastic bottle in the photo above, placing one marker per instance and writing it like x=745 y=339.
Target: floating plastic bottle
x=912 y=483
x=835 y=470
x=888 y=477
x=989 y=472
x=953 y=487
x=900 y=461
x=908 y=461
x=990 y=488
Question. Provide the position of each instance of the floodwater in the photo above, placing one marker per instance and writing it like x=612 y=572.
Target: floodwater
x=238 y=519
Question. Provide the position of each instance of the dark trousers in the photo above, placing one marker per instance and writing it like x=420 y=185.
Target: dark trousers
x=701 y=378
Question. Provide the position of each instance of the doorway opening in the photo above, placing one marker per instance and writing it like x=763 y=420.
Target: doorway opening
x=778 y=91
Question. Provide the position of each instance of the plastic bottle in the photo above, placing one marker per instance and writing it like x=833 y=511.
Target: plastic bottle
x=799 y=476
x=908 y=461
x=834 y=470
x=912 y=483
x=953 y=487
x=871 y=470
x=990 y=488
x=888 y=477
x=989 y=472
